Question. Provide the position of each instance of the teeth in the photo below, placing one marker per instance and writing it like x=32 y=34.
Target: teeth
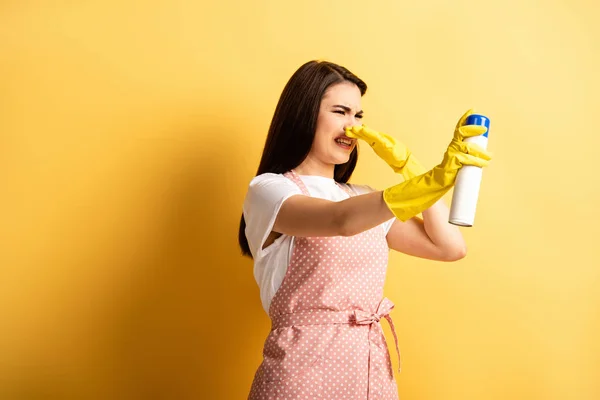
x=344 y=141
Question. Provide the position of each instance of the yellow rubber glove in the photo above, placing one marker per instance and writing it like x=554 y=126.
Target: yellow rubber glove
x=415 y=195
x=394 y=153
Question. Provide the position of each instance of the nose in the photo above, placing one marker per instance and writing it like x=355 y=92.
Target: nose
x=350 y=121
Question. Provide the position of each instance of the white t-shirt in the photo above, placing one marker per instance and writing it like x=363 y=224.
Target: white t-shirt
x=266 y=194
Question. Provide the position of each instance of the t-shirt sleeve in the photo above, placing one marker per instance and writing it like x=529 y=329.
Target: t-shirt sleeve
x=363 y=189
x=266 y=193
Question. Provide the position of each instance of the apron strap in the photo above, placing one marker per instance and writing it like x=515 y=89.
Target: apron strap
x=293 y=176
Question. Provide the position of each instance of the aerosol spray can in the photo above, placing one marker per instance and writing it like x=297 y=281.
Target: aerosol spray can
x=468 y=180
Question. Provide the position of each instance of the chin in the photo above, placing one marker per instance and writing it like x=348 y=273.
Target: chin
x=339 y=157
x=343 y=159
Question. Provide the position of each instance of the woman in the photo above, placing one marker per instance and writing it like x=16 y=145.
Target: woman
x=320 y=245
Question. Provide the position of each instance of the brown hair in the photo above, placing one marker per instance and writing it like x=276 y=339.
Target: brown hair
x=294 y=123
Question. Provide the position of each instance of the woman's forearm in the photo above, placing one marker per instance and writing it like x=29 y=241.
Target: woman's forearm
x=443 y=234
x=360 y=213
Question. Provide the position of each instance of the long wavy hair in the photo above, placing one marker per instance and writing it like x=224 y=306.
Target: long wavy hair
x=294 y=123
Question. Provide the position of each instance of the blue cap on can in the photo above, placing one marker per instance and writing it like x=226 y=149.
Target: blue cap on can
x=478 y=119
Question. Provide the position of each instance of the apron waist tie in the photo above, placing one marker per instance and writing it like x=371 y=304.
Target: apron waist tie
x=357 y=317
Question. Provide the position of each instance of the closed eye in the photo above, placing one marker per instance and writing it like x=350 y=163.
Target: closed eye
x=359 y=116
x=342 y=110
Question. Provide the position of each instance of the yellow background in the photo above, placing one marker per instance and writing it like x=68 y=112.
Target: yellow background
x=129 y=131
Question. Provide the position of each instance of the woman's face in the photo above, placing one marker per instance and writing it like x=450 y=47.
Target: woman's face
x=340 y=108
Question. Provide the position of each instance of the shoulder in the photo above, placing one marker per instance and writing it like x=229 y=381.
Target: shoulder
x=359 y=189
x=270 y=181
x=270 y=188
x=268 y=178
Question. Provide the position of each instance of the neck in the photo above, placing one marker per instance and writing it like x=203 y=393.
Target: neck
x=310 y=166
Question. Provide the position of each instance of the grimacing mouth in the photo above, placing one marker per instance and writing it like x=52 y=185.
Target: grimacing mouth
x=345 y=138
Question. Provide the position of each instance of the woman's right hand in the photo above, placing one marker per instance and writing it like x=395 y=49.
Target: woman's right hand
x=393 y=152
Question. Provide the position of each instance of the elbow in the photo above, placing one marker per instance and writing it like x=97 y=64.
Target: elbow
x=455 y=254
x=343 y=223
x=345 y=228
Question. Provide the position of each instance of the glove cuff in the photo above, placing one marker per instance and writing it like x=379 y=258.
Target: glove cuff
x=414 y=196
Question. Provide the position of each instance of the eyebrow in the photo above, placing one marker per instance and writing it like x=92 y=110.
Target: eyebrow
x=347 y=109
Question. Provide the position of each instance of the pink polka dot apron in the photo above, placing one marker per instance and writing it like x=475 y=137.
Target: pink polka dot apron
x=326 y=340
